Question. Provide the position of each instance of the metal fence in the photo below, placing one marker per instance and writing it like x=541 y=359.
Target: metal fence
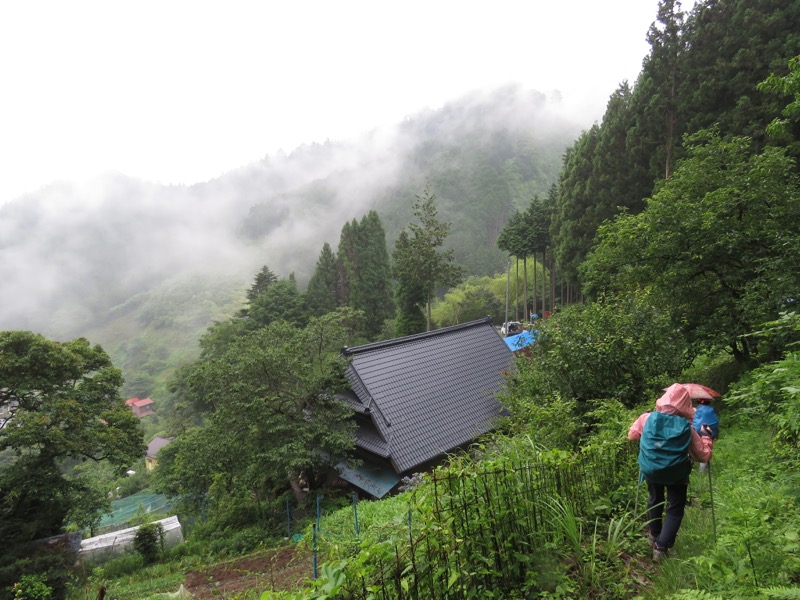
x=123 y=511
x=476 y=533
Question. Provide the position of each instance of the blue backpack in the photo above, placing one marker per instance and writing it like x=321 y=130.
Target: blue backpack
x=664 y=449
x=705 y=415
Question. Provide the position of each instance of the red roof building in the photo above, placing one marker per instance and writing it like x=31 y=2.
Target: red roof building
x=140 y=407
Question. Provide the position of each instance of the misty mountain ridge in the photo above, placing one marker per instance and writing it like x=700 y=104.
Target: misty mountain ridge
x=81 y=259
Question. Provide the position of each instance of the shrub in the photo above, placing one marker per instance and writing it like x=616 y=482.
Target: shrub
x=131 y=484
x=232 y=542
x=32 y=587
x=149 y=542
x=617 y=347
x=52 y=565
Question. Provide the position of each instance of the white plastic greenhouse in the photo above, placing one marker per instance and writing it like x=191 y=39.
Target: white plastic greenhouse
x=108 y=545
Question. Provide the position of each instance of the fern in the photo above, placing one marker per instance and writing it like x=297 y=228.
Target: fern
x=694 y=595
x=781 y=592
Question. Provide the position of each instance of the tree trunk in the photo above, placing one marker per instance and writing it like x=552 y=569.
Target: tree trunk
x=544 y=280
x=535 y=286
x=552 y=285
x=525 y=287
x=516 y=290
x=299 y=494
x=428 y=314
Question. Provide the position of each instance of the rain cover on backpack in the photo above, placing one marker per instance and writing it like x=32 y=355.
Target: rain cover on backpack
x=664 y=449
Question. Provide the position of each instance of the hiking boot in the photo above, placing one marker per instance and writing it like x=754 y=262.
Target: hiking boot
x=659 y=554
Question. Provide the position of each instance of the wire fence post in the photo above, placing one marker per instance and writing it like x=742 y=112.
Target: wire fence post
x=288 y=519
x=410 y=531
x=355 y=511
x=314 y=548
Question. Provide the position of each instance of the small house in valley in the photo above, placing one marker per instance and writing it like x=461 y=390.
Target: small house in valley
x=141 y=407
x=419 y=397
x=153 y=447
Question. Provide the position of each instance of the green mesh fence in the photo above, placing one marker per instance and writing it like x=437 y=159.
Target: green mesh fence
x=125 y=509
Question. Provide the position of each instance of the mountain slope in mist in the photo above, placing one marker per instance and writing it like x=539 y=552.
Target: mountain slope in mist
x=106 y=258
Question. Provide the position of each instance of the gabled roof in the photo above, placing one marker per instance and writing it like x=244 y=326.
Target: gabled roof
x=429 y=393
x=138 y=403
x=156 y=444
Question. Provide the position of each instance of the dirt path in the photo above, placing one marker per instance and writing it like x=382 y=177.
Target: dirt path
x=279 y=569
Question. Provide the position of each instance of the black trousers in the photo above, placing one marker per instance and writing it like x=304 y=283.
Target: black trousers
x=666 y=529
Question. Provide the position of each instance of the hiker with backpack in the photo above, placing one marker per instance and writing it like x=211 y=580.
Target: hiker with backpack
x=667 y=443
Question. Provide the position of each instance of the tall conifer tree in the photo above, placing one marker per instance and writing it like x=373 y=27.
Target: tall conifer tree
x=321 y=290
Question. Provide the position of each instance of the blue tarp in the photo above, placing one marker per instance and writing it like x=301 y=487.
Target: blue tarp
x=371 y=477
x=520 y=341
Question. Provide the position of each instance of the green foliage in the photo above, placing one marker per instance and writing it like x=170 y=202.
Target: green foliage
x=715 y=244
x=718 y=371
x=32 y=587
x=128 y=578
x=263 y=280
x=772 y=391
x=621 y=348
x=149 y=542
x=281 y=301
x=152 y=332
x=419 y=266
x=787 y=85
x=524 y=235
x=271 y=409
x=119 y=566
x=364 y=270
x=409 y=293
x=511 y=239
x=50 y=565
x=60 y=402
x=131 y=484
x=596 y=554
x=472 y=299
x=702 y=70
x=321 y=290
x=478 y=529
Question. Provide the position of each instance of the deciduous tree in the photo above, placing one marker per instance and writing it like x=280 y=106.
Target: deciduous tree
x=420 y=265
x=272 y=412
x=58 y=401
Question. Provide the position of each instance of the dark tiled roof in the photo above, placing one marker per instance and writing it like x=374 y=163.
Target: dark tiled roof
x=156 y=444
x=432 y=392
x=370 y=439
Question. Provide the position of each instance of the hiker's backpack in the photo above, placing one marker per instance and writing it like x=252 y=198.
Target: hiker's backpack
x=705 y=415
x=664 y=449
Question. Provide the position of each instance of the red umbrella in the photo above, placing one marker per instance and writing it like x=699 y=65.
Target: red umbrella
x=698 y=391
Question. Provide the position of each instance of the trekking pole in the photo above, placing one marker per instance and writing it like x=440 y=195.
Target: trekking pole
x=711 y=492
x=638 y=487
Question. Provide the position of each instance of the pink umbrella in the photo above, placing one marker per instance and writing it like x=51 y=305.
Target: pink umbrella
x=698 y=391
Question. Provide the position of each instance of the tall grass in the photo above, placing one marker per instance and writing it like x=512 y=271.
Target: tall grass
x=143 y=583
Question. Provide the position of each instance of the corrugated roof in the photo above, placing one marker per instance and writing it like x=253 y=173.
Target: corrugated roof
x=432 y=392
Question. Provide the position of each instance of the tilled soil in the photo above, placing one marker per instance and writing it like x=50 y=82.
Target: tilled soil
x=285 y=568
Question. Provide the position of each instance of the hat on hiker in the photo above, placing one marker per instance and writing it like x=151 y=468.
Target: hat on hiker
x=676 y=401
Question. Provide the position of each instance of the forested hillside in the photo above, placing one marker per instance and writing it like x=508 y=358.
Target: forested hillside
x=702 y=71
x=143 y=269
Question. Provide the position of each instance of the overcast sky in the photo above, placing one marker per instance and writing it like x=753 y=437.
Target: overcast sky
x=182 y=91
